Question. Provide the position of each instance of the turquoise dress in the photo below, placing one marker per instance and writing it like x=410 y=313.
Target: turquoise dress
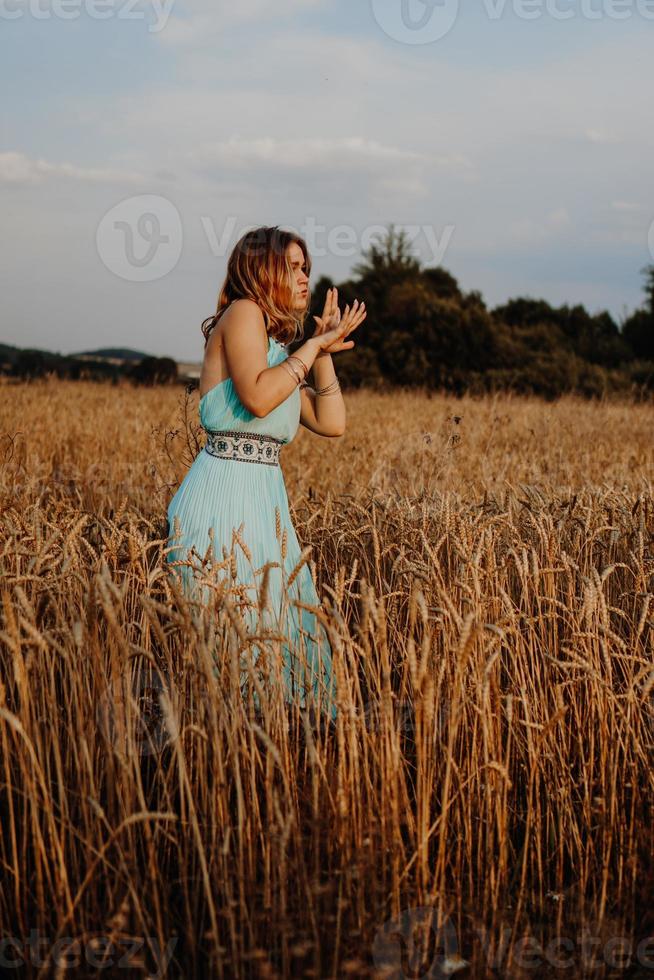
x=226 y=494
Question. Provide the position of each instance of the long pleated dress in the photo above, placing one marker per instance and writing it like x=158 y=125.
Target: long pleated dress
x=235 y=494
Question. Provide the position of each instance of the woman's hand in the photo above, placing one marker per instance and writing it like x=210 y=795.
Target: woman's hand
x=332 y=329
x=331 y=315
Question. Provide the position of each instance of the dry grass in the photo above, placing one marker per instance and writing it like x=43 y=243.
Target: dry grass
x=487 y=589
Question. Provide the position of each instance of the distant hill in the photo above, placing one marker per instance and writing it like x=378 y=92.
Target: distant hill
x=102 y=364
x=115 y=353
x=8 y=352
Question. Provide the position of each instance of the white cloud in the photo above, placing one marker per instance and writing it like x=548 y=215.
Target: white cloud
x=307 y=108
x=211 y=18
x=601 y=136
x=341 y=152
x=229 y=12
x=17 y=168
x=349 y=169
x=532 y=231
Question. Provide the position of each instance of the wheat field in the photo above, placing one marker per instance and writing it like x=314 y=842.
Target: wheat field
x=484 y=805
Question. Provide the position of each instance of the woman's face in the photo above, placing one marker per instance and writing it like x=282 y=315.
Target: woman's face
x=300 y=280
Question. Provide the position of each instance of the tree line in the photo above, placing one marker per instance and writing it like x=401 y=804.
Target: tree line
x=32 y=363
x=423 y=330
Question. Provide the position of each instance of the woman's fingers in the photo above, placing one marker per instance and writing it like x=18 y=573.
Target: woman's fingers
x=356 y=315
x=336 y=327
x=355 y=310
x=325 y=309
x=357 y=320
x=329 y=304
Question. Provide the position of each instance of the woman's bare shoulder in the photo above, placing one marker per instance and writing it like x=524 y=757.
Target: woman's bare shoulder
x=240 y=308
x=238 y=312
x=243 y=317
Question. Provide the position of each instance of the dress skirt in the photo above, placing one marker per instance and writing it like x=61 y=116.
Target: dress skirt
x=236 y=510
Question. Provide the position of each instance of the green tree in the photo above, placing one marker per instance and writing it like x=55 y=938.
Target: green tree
x=423 y=330
x=638 y=330
x=31 y=364
x=385 y=263
x=154 y=370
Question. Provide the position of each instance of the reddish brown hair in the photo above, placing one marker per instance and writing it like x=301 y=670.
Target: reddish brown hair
x=259 y=269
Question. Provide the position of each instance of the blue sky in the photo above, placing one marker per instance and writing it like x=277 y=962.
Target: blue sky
x=134 y=149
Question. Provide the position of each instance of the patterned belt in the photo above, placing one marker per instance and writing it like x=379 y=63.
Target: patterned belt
x=249 y=447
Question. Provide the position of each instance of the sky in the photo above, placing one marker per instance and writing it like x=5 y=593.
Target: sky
x=511 y=139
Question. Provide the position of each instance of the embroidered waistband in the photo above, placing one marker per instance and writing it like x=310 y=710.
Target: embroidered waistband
x=249 y=447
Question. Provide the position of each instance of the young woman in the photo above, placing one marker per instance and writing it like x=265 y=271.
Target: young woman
x=253 y=396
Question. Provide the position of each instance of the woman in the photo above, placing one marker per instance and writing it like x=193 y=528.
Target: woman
x=252 y=398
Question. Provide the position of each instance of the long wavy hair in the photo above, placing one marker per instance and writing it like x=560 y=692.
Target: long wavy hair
x=259 y=269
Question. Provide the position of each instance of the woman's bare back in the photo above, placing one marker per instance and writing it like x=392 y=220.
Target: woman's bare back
x=214 y=366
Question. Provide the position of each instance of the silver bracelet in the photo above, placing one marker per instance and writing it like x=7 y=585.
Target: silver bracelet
x=330 y=389
x=298 y=373
x=294 y=357
x=291 y=371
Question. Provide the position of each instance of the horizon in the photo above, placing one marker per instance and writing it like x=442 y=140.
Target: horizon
x=105 y=347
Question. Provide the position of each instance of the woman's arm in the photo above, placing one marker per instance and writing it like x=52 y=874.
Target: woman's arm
x=245 y=342
x=323 y=409
x=323 y=414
